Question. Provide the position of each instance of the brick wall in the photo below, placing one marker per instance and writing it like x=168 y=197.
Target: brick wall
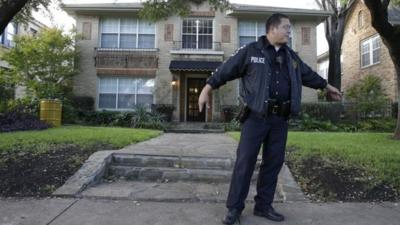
x=352 y=71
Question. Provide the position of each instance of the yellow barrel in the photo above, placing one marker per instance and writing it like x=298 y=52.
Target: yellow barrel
x=50 y=111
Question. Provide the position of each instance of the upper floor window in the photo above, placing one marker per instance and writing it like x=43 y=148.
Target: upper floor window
x=197 y=33
x=7 y=38
x=250 y=30
x=123 y=93
x=370 y=51
x=126 y=33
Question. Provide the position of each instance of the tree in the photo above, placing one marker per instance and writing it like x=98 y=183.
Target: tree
x=334 y=32
x=44 y=64
x=21 y=10
x=154 y=10
x=390 y=34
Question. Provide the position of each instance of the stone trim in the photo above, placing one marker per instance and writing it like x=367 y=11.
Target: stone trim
x=125 y=71
x=202 y=14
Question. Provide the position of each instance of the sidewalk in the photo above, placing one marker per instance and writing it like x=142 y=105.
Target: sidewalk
x=58 y=211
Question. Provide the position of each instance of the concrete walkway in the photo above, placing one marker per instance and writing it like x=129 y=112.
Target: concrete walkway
x=99 y=205
x=107 y=212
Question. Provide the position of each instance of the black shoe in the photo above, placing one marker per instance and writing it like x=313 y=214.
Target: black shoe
x=231 y=216
x=269 y=213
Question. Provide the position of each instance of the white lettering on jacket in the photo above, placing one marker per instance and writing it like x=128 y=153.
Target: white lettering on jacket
x=257 y=60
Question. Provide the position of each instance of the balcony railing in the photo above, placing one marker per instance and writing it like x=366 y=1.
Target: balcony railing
x=126 y=58
x=196 y=46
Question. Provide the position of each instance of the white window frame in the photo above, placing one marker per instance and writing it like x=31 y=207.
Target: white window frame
x=197 y=32
x=260 y=33
x=7 y=38
x=117 y=92
x=370 y=52
x=119 y=32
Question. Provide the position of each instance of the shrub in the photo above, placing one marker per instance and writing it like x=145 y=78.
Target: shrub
x=83 y=103
x=17 y=120
x=228 y=112
x=165 y=110
x=331 y=111
x=233 y=125
x=368 y=96
x=144 y=119
x=308 y=123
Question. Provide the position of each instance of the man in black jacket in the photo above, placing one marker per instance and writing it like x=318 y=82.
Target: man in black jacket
x=271 y=77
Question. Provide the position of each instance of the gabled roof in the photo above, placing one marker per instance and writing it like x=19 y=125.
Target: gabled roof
x=243 y=10
x=237 y=9
x=104 y=7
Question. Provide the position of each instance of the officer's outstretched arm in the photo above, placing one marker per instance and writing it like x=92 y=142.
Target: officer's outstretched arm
x=231 y=69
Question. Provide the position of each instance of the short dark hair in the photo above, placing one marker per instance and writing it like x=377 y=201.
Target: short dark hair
x=274 y=20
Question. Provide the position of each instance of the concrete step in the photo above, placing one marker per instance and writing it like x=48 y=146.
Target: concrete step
x=188 y=162
x=169 y=174
x=193 y=130
x=195 y=127
x=167 y=191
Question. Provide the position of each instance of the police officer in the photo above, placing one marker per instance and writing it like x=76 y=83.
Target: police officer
x=271 y=78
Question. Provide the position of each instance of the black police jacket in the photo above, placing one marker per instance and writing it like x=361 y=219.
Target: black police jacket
x=252 y=65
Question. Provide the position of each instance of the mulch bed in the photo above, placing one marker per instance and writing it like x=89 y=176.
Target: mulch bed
x=333 y=180
x=25 y=174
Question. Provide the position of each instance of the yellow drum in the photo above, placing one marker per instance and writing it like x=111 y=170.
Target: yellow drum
x=50 y=111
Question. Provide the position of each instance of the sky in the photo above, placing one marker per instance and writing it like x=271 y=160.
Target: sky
x=57 y=17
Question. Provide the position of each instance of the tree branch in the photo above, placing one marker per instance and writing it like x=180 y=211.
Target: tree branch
x=379 y=16
x=319 y=4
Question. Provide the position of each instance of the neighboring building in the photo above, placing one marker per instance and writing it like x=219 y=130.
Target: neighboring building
x=126 y=61
x=323 y=65
x=7 y=42
x=363 y=51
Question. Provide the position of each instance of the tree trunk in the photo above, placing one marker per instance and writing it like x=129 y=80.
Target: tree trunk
x=397 y=130
x=334 y=34
x=390 y=35
x=394 y=49
x=8 y=9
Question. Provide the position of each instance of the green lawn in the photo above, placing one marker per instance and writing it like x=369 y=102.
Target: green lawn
x=376 y=152
x=80 y=135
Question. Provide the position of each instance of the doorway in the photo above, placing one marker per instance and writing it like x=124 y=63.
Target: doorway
x=194 y=87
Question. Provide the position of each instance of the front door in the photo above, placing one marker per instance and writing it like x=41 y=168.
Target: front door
x=194 y=87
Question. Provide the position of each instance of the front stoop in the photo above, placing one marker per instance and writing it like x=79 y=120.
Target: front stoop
x=164 y=178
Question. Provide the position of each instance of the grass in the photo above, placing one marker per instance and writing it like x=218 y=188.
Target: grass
x=80 y=135
x=376 y=152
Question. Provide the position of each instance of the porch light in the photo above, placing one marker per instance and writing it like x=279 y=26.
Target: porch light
x=173 y=82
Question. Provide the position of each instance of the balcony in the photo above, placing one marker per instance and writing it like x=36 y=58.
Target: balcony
x=126 y=58
x=126 y=61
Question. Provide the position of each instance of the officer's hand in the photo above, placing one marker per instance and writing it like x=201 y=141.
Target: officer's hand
x=204 y=97
x=333 y=93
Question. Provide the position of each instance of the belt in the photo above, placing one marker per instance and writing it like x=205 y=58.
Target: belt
x=275 y=108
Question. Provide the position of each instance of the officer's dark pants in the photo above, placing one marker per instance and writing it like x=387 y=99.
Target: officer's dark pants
x=272 y=133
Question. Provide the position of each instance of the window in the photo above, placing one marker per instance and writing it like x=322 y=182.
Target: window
x=127 y=33
x=249 y=31
x=7 y=37
x=370 y=51
x=125 y=93
x=197 y=33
